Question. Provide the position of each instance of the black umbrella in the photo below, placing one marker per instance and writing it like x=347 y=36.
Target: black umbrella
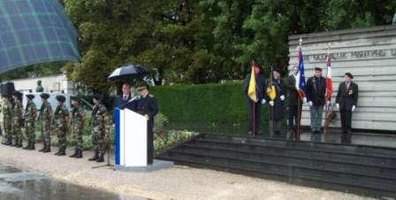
x=128 y=72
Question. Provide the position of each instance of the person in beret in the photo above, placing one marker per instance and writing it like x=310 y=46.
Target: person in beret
x=99 y=134
x=7 y=119
x=77 y=126
x=346 y=101
x=61 y=120
x=45 y=117
x=315 y=93
x=30 y=119
x=17 y=119
x=277 y=106
x=254 y=108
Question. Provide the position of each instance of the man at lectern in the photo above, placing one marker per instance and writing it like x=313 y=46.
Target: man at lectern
x=146 y=105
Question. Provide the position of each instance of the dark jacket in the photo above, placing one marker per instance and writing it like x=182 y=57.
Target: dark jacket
x=120 y=102
x=347 y=97
x=145 y=106
x=277 y=111
x=292 y=94
x=316 y=90
x=260 y=84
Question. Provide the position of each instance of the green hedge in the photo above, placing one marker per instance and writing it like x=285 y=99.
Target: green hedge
x=208 y=107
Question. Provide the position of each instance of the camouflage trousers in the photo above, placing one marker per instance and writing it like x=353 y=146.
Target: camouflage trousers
x=45 y=131
x=7 y=128
x=16 y=129
x=29 y=127
x=98 y=139
x=77 y=136
x=61 y=131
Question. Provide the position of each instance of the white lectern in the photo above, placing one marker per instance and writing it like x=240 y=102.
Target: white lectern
x=130 y=139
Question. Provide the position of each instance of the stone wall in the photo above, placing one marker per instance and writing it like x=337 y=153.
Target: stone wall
x=370 y=55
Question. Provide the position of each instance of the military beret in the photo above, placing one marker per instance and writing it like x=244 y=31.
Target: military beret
x=318 y=69
x=349 y=75
x=98 y=97
x=17 y=94
x=276 y=69
x=44 y=95
x=75 y=98
x=60 y=98
x=30 y=96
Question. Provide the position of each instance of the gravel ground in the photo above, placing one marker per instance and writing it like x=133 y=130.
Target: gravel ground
x=179 y=182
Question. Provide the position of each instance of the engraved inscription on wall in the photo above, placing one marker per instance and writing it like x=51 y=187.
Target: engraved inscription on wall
x=363 y=54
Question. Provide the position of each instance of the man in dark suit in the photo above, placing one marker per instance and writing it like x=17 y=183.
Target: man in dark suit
x=147 y=106
x=122 y=99
x=254 y=118
x=315 y=92
x=346 y=101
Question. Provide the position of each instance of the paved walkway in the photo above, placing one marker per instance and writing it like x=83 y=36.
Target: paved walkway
x=178 y=182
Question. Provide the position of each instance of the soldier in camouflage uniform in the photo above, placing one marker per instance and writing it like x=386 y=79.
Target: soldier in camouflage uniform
x=61 y=120
x=7 y=119
x=46 y=120
x=30 y=118
x=17 y=114
x=77 y=123
x=99 y=114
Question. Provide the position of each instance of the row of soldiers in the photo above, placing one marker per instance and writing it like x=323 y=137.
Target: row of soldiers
x=59 y=121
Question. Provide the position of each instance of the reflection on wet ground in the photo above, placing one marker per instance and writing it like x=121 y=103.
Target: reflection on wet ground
x=16 y=184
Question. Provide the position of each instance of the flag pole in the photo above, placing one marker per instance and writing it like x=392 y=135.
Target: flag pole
x=273 y=107
x=327 y=119
x=254 y=113
x=299 y=107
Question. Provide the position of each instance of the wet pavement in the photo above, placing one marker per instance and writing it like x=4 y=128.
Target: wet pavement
x=17 y=184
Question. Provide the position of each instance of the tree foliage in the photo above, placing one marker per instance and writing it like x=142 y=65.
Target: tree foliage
x=203 y=41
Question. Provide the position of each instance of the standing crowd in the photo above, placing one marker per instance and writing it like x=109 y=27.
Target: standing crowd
x=60 y=122
x=277 y=93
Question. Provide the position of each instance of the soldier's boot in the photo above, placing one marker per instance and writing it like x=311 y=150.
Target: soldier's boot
x=96 y=155
x=101 y=157
x=47 y=149
x=79 y=153
x=29 y=144
x=44 y=147
x=62 y=152
x=14 y=142
x=7 y=142
x=74 y=154
x=20 y=143
x=32 y=145
x=57 y=153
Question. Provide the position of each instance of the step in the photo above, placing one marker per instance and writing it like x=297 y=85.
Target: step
x=343 y=157
x=289 y=172
x=355 y=169
x=327 y=147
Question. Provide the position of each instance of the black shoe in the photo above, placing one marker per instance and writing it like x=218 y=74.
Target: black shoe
x=44 y=147
x=62 y=151
x=101 y=157
x=20 y=143
x=32 y=145
x=47 y=149
x=95 y=157
x=6 y=142
x=27 y=147
x=74 y=154
x=79 y=153
x=57 y=153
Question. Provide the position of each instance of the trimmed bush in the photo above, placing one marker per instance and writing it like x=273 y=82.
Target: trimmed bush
x=219 y=108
